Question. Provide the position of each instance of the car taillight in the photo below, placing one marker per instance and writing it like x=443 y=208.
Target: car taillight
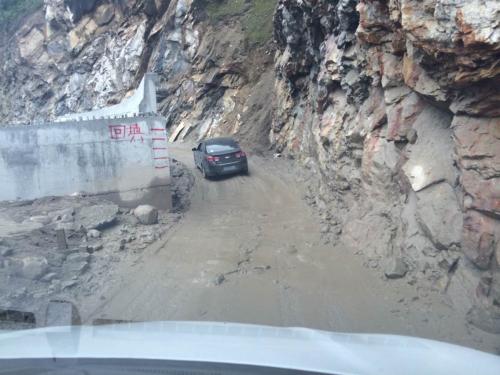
x=240 y=154
x=212 y=159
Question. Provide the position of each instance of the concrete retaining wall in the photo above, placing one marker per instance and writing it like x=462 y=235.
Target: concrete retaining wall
x=125 y=158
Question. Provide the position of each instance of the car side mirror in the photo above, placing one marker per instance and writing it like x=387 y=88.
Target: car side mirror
x=194 y=149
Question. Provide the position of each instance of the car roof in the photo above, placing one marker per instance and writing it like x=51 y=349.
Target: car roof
x=212 y=141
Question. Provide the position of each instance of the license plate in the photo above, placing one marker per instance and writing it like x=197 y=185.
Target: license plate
x=229 y=169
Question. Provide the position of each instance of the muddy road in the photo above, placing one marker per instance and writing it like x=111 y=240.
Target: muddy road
x=250 y=250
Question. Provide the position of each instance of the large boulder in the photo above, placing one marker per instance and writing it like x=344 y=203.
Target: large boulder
x=75 y=264
x=98 y=216
x=32 y=268
x=94 y=233
x=146 y=214
x=395 y=268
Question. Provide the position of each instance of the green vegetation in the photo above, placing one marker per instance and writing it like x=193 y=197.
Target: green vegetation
x=12 y=11
x=256 y=16
x=219 y=9
x=258 y=22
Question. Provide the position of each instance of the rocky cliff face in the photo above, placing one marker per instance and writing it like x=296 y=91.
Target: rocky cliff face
x=392 y=106
x=71 y=57
x=214 y=61
x=395 y=104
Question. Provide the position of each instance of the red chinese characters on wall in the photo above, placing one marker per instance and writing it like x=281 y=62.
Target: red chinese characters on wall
x=117 y=131
x=132 y=132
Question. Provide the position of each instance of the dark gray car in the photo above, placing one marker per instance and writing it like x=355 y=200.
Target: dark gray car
x=220 y=156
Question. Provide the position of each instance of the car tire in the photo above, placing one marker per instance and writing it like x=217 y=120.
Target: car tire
x=204 y=173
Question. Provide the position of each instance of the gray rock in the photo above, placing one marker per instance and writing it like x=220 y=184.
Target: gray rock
x=7 y=252
x=21 y=292
x=439 y=215
x=220 y=279
x=131 y=220
x=76 y=268
x=384 y=164
x=104 y=14
x=94 y=233
x=66 y=219
x=129 y=239
x=34 y=268
x=55 y=285
x=58 y=215
x=56 y=258
x=49 y=277
x=122 y=246
x=76 y=264
x=68 y=284
x=97 y=216
x=62 y=241
x=395 y=268
x=92 y=248
x=78 y=257
x=41 y=219
x=412 y=136
x=146 y=214
x=148 y=238
x=373 y=234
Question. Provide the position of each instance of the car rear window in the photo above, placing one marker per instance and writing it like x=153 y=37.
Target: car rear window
x=221 y=147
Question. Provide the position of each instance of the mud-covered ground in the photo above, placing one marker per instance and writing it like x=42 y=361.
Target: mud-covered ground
x=251 y=249
x=242 y=249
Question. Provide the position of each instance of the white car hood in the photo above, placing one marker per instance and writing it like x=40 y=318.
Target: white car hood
x=287 y=348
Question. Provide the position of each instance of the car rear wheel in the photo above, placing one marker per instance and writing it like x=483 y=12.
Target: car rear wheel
x=204 y=173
